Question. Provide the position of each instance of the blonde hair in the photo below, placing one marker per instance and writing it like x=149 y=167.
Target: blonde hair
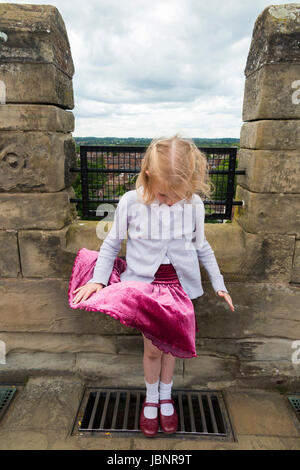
x=178 y=165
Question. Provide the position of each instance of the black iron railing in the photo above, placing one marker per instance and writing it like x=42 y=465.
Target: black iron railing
x=107 y=172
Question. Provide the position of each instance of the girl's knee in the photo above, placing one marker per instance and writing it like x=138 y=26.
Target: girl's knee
x=151 y=351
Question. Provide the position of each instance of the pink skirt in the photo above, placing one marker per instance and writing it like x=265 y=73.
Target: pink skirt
x=161 y=310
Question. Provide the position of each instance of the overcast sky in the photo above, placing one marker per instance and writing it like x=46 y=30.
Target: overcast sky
x=150 y=68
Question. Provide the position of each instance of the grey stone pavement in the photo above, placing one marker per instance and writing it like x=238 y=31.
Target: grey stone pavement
x=43 y=411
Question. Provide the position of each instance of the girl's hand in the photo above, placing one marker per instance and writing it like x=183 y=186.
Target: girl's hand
x=227 y=297
x=85 y=291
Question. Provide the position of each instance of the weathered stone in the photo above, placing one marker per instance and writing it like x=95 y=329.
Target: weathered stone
x=113 y=367
x=110 y=366
x=9 y=255
x=84 y=233
x=20 y=366
x=36 y=161
x=248 y=349
x=36 y=83
x=275 y=370
x=130 y=344
x=35 y=408
x=271 y=135
x=27 y=342
x=33 y=303
x=269 y=171
x=269 y=212
x=208 y=366
x=275 y=37
x=267 y=309
x=42 y=253
x=42 y=305
x=272 y=92
x=296 y=263
x=260 y=412
x=35 y=117
x=35 y=34
x=37 y=211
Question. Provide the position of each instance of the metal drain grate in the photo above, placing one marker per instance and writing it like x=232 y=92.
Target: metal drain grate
x=117 y=410
x=6 y=395
x=295 y=402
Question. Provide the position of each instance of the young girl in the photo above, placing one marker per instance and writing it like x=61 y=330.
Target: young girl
x=152 y=289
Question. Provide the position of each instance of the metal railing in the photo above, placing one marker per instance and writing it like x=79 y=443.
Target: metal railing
x=107 y=172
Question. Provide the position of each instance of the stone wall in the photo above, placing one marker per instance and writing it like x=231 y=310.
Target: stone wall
x=258 y=253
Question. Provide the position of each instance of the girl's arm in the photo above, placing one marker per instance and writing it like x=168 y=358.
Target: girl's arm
x=207 y=257
x=205 y=253
x=112 y=243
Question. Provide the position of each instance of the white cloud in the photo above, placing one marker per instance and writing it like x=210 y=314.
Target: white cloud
x=147 y=69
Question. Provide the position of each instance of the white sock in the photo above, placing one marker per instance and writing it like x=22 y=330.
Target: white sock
x=166 y=409
x=152 y=396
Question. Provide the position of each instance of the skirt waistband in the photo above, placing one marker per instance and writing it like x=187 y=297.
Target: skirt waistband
x=166 y=273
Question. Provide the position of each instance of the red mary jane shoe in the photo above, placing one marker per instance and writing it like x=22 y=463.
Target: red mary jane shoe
x=149 y=426
x=169 y=424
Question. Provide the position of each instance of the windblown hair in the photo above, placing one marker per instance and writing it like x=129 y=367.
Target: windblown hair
x=178 y=166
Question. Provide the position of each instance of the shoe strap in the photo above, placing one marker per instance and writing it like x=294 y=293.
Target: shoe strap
x=157 y=405
x=169 y=400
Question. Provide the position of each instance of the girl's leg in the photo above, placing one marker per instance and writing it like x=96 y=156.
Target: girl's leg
x=152 y=366
x=166 y=383
x=151 y=361
x=167 y=367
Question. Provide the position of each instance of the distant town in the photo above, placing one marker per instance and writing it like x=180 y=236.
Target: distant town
x=145 y=141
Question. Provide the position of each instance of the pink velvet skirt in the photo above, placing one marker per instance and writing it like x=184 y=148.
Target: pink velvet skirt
x=161 y=310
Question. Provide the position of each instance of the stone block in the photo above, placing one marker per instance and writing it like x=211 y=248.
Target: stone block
x=208 y=366
x=36 y=162
x=46 y=403
x=110 y=366
x=262 y=310
x=28 y=305
x=272 y=92
x=83 y=233
x=271 y=135
x=41 y=305
x=130 y=344
x=27 y=342
x=9 y=254
x=296 y=263
x=269 y=171
x=35 y=117
x=249 y=349
x=126 y=369
x=260 y=412
x=275 y=37
x=42 y=253
x=20 y=366
x=35 y=34
x=37 y=84
x=269 y=213
x=37 y=210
